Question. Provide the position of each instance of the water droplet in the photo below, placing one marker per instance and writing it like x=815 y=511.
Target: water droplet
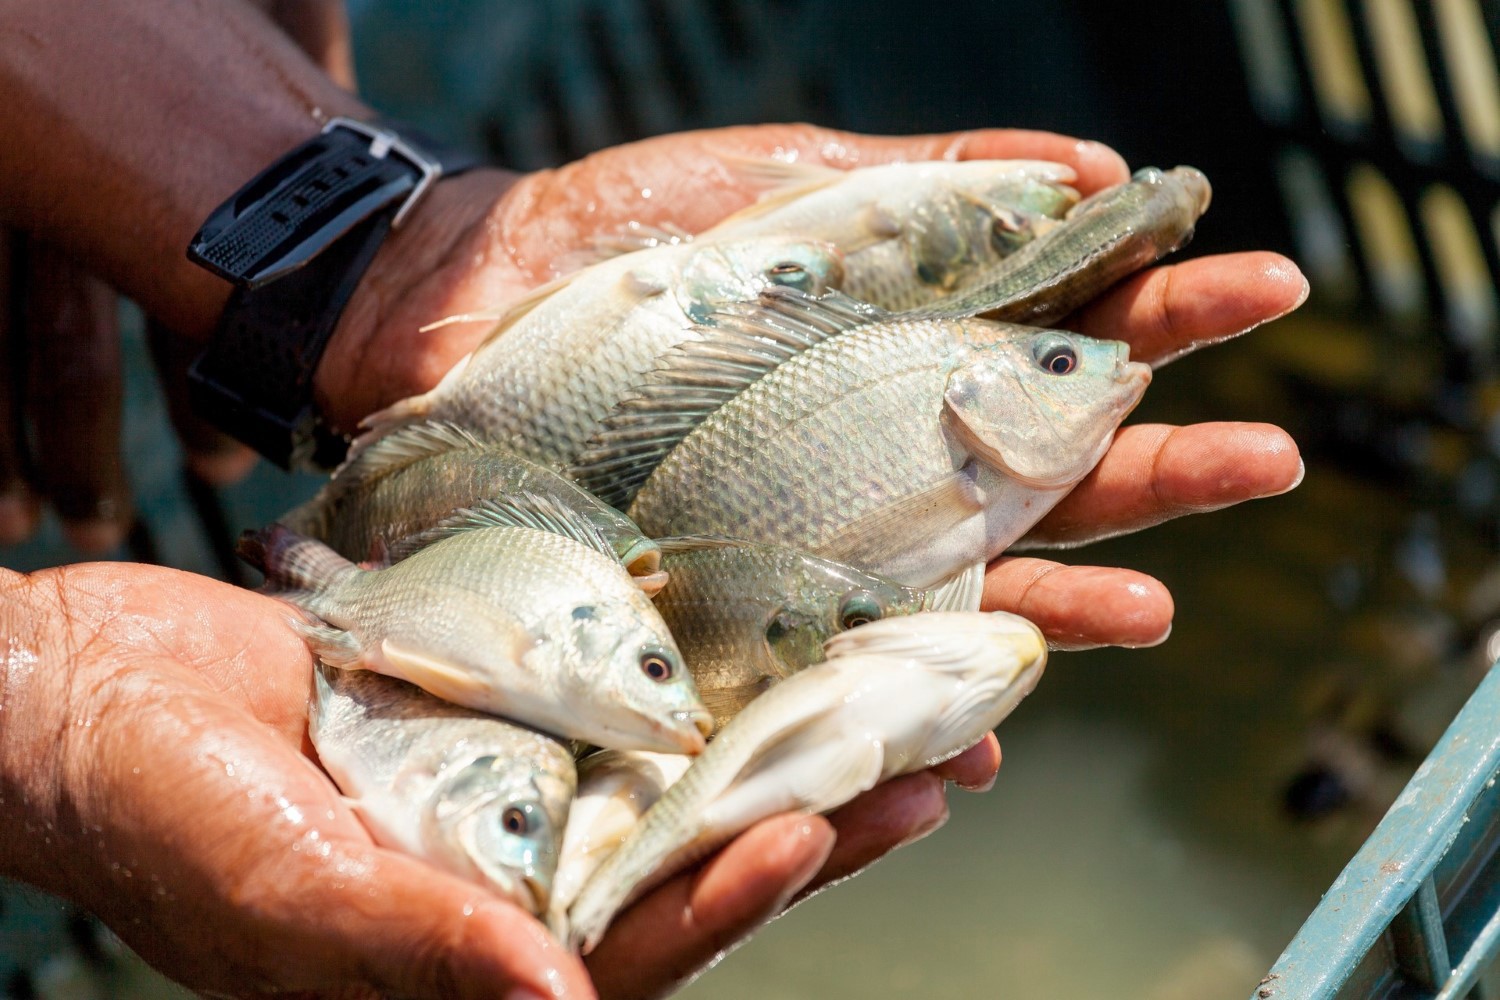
x=468 y=909
x=646 y=193
x=135 y=770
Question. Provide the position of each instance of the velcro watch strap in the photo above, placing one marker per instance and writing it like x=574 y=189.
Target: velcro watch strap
x=295 y=241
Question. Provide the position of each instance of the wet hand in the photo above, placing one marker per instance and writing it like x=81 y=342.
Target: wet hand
x=155 y=769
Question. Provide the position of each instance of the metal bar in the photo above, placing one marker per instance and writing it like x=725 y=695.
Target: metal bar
x=1420 y=945
x=1486 y=945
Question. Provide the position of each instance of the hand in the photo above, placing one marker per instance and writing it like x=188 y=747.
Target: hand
x=155 y=769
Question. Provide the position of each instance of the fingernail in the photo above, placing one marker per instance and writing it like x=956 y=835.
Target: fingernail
x=979 y=786
x=1098 y=154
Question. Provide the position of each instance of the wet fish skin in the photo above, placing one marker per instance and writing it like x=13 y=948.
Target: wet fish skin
x=746 y=615
x=527 y=624
x=556 y=365
x=615 y=788
x=911 y=233
x=935 y=443
x=475 y=795
x=894 y=696
x=416 y=477
x=1107 y=237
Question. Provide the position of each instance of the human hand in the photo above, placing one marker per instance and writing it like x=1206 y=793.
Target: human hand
x=489 y=238
x=155 y=769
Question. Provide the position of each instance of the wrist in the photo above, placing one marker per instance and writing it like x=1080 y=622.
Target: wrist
x=425 y=271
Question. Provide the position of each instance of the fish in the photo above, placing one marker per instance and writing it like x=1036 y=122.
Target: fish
x=1106 y=237
x=543 y=629
x=747 y=615
x=910 y=233
x=615 y=787
x=892 y=697
x=913 y=448
x=402 y=492
x=558 y=361
x=472 y=794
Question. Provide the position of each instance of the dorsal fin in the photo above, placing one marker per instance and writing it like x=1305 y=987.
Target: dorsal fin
x=396 y=451
x=745 y=342
x=628 y=238
x=527 y=510
x=696 y=543
x=781 y=183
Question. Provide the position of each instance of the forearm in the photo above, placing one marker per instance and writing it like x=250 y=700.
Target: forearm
x=128 y=122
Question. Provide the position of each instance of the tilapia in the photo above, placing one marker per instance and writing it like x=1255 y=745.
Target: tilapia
x=559 y=361
x=538 y=627
x=746 y=615
x=470 y=793
x=1105 y=238
x=615 y=787
x=893 y=696
x=910 y=233
x=914 y=448
x=410 y=485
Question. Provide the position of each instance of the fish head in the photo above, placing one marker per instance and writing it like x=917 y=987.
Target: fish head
x=1042 y=406
x=624 y=648
x=980 y=212
x=723 y=273
x=504 y=817
x=824 y=598
x=959 y=642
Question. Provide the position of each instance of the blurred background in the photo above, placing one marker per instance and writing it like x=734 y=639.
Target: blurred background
x=1165 y=818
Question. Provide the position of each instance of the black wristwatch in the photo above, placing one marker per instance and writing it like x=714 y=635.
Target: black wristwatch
x=295 y=242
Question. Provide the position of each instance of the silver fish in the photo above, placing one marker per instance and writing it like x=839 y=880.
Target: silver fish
x=410 y=484
x=893 y=696
x=933 y=443
x=531 y=625
x=470 y=793
x=1105 y=238
x=746 y=615
x=615 y=788
x=560 y=360
x=911 y=233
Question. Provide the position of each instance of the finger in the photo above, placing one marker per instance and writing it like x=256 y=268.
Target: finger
x=1155 y=472
x=213 y=456
x=19 y=509
x=1079 y=607
x=890 y=815
x=1168 y=311
x=73 y=398
x=690 y=920
x=973 y=770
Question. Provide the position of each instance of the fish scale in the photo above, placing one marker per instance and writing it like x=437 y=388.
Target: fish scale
x=933 y=443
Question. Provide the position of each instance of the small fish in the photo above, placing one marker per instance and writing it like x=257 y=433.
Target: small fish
x=911 y=233
x=746 y=615
x=561 y=359
x=894 y=696
x=615 y=787
x=470 y=793
x=409 y=485
x=540 y=628
x=933 y=444
x=1105 y=238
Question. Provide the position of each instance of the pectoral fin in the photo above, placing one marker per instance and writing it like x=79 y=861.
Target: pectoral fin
x=868 y=541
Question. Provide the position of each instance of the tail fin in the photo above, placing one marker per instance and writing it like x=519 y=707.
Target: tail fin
x=293 y=562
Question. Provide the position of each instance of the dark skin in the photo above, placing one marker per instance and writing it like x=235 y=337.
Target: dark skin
x=112 y=668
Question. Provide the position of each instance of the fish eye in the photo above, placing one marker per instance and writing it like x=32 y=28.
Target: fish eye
x=656 y=667
x=859 y=608
x=790 y=275
x=515 y=821
x=1055 y=355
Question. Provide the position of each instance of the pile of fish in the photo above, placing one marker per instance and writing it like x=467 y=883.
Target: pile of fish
x=698 y=534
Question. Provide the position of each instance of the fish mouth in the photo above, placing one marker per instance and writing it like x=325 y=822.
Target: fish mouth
x=691 y=729
x=642 y=558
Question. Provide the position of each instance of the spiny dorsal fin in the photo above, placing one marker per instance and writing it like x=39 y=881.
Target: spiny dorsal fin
x=628 y=238
x=527 y=510
x=395 y=452
x=743 y=345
